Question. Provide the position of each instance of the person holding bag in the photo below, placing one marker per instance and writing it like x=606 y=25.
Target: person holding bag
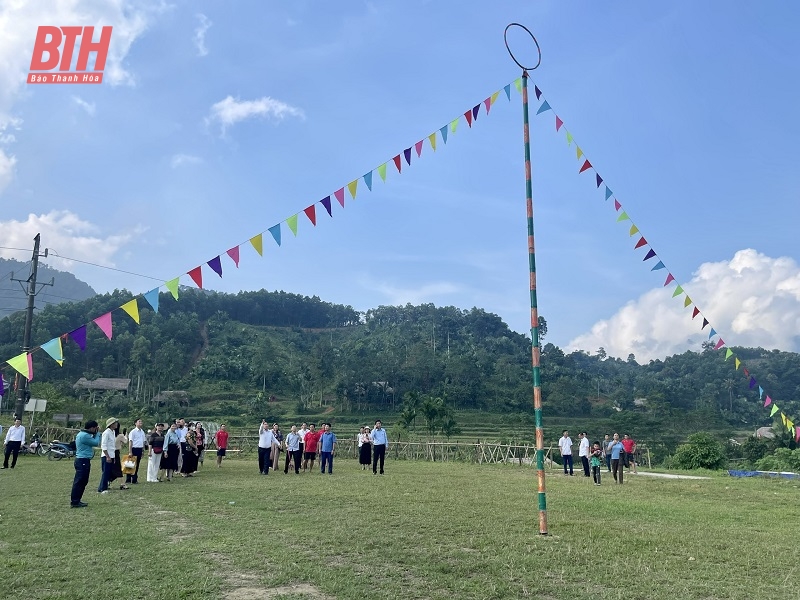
x=156 y=443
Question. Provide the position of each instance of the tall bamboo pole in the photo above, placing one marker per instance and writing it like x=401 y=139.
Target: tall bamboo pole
x=535 y=351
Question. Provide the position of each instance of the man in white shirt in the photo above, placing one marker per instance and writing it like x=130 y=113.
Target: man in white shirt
x=136 y=447
x=302 y=433
x=15 y=437
x=583 y=452
x=565 y=446
x=181 y=432
x=108 y=447
x=266 y=439
x=380 y=443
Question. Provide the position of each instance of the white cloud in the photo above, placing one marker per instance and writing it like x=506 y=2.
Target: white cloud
x=179 y=160
x=64 y=233
x=229 y=111
x=89 y=107
x=20 y=19
x=6 y=169
x=200 y=34
x=751 y=300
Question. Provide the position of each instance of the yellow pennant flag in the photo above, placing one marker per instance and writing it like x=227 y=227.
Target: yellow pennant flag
x=20 y=363
x=737 y=362
x=132 y=308
x=783 y=418
x=432 y=140
x=292 y=223
x=518 y=84
x=494 y=96
x=578 y=151
x=352 y=186
x=258 y=243
x=453 y=125
x=172 y=286
x=634 y=230
x=382 y=171
x=687 y=302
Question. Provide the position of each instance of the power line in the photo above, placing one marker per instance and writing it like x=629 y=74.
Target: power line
x=86 y=262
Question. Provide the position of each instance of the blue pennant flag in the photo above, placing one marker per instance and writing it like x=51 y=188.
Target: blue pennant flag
x=152 y=298
x=368 y=180
x=711 y=333
x=543 y=108
x=443 y=131
x=609 y=193
x=275 y=230
x=507 y=90
x=660 y=265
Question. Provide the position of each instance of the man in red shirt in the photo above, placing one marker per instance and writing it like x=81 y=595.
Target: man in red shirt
x=312 y=437
x=221 y=439
x=629 y=445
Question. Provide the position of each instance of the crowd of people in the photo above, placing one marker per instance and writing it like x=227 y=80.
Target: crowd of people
x=617 y=455
x=179 y=449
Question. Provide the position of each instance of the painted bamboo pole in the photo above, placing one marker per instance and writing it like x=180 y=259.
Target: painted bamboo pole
x=535 y=351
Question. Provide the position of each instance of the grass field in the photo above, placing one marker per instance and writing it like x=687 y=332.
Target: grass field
x=424 y=530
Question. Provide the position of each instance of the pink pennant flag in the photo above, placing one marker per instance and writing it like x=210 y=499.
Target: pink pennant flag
x=488 y=104
x=720 y=344
x=559 y=123
x=640 y=243
x=418 y=147
x=234 y=254
x=340 y=192
x=797 y=434
x=197 y=276
x=586 y=166
x=767 y=402
x=617 y=205
x=311 y=213
x=669 y=279
x=104 y=323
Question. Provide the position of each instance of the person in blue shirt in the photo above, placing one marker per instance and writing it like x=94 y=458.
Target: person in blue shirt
x=327 y=444
x=85 y=443
x=615 y=448
x=380 y=443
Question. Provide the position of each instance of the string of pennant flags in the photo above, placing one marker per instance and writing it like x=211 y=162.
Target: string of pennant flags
x=652 y=255
x=54 y=348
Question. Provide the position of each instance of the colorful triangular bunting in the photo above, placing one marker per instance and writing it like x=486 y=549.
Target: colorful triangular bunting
x=258 y=244
x=152 y=295
x=216 y=265
x=54 y=349
x=197 y=276
x=292 y=223
x=311 y=213
x=132 y=308
x=172 y=285
x=275 y=230
x=326 y=201
x=105 y=325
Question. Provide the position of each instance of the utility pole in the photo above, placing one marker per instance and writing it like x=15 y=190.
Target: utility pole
x=23 y=385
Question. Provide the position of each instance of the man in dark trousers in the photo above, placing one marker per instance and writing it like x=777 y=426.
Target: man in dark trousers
x=85 y=443
x=15 y=438
x=380 y=443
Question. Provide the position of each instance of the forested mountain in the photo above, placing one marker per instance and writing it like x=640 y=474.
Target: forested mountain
x=66 y=287
x=237 y=349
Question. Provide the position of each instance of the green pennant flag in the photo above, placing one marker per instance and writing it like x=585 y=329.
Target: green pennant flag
x=172 y=286
x=678 y=291
x=687 y=302
x=569 y=139
x=623 y=217
x=453 y=125
x=518 y=84
x=774 y=410
x=382 y=171
x=728 y=353
x=292 y=223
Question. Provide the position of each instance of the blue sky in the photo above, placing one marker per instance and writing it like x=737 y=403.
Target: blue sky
x=219 y=120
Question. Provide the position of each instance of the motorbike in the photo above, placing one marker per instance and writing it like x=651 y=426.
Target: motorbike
x=58 y=450
x=35 y=447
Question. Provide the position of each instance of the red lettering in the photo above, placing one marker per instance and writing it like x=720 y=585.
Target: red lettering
x=42 y=45
x=87 y=46
x=70 y=35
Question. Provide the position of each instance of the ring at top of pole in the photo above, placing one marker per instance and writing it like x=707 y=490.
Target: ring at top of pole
x=511 y=54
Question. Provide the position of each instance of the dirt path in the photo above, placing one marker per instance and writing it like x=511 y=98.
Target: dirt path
x=666 y=475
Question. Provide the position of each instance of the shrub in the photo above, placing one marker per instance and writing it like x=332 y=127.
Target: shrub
x=782 y=459
x=701 y=451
